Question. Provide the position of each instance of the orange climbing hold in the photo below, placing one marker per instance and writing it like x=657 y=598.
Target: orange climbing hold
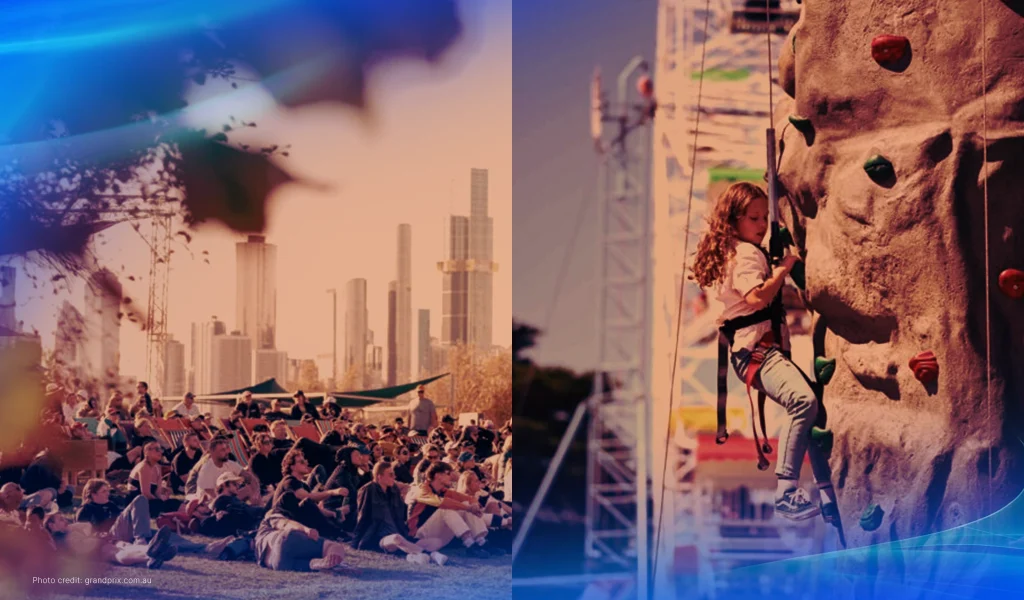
x=888 y=50
x=1011 y=282
x=925 y=367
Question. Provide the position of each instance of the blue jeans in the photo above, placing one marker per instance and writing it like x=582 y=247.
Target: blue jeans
x=787 y=386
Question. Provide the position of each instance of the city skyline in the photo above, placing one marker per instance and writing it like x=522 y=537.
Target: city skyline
x=429 y=124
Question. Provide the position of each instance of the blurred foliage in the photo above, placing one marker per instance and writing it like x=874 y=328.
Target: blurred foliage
x=106 y=134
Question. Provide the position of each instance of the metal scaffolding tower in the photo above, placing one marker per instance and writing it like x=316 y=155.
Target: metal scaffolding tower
x=618 y=457
x=156 y=313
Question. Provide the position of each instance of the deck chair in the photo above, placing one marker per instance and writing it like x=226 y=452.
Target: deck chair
x=239 y=449
x=324 y=426
x=306 y=430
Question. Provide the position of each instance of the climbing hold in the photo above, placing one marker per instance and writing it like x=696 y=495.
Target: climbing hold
x=888 y=50
x=1011 y=282
x=823 y=439
x=799 y=275
x=879 y=168
x=925 y=367
x=824 y=369
x=871 y=518
x=802 y=124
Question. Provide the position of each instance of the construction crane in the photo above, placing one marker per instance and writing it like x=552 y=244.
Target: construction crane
x=156 y=318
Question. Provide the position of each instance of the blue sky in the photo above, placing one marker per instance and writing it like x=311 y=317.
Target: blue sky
x=556 y=47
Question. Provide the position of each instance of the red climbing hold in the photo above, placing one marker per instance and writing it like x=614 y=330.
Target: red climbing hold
x=1011 y=282
x=925 y=367
x=889 y=49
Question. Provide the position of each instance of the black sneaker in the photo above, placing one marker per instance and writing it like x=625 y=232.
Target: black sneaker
x=161 y=557
x=830 y=513
x=159 y=543
x=796 y=505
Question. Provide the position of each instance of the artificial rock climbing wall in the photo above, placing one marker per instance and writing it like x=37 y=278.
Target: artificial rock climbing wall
x=882 y=180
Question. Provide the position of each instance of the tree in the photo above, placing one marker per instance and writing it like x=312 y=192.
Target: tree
x=309 y=377
x=524 y=337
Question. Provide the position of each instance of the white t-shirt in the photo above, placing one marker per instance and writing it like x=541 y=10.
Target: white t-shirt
x=185 y=411
x=745 y=271
x=209 y=473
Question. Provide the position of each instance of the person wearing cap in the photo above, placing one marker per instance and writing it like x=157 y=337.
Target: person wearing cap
x=381 y=524
x=422 y=412
x=187 y=407
x=249 y=408
x=303 y=407
x=330 y=408
x=230 y=513
x=348 y=476
x=452 y=451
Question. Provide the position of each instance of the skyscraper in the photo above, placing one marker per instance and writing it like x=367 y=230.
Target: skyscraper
x=455 y=290
x=481 y=265
x=174 y=368
x=404 y=304
x=423 y=340
x=356 y=317
x=267 y=364
x=69 y=336
x=102 y=342
x=231 y=363
x=202 y=355
x=468 y=268
x=256 y=291
x=392 y=334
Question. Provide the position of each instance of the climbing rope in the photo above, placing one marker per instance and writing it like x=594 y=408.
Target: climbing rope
x=988 y=285
x=682 y=296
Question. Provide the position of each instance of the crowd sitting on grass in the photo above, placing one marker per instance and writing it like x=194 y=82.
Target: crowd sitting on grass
x=265 y=493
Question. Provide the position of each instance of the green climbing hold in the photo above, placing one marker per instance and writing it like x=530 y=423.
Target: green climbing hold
x=802 y=124
x=871 y=518
x=824 y=369
x=799 y=275
x=823 y=439
x=879 y=168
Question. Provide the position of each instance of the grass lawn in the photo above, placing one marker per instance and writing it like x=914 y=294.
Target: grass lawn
x=383 y=577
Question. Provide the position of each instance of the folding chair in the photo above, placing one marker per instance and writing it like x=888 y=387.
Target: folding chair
x=324 y=426
x=237 y=447
x=306 y=430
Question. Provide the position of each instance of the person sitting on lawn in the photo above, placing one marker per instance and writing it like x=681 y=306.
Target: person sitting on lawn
x=230 y=514
x=186 y=458
x=66 y=536
x=266 y=464
x=146 y=478
x=437 y=512
x=284 y=544
x=129 y=525
x=381 y=525
x=348 y=476
x=218 y=463
x=294 y=499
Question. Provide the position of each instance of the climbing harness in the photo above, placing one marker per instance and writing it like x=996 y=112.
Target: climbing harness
x=775 y=313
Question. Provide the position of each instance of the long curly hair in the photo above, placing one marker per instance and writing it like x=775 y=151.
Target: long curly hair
x=718 y=245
